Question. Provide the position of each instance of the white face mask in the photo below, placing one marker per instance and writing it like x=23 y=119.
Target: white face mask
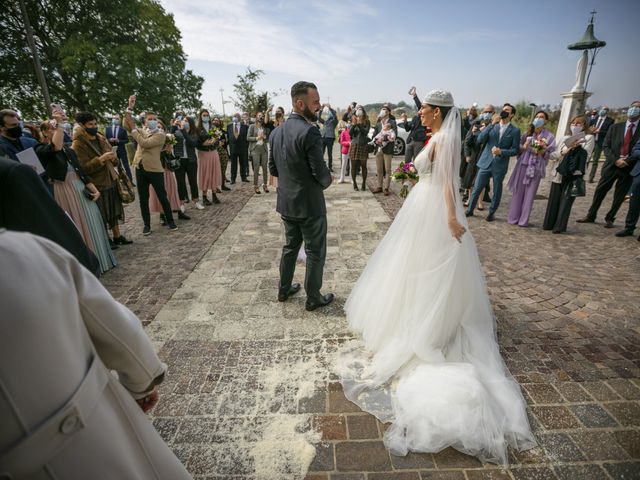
x=325 y=110
x=359 y=113
x=576 y=129
x=383 y=113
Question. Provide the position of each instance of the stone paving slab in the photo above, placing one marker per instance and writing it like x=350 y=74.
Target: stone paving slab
x=250 y=393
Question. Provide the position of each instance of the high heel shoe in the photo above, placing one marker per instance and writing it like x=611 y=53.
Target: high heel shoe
x=257 y=190
x=266 y=190
x=355 y=186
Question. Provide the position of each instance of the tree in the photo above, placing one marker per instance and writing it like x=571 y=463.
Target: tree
x=248 y=99
x=94 y=54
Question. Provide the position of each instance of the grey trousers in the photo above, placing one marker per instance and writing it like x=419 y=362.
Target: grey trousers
x=260 y=158
x=411 y=151
x=313 y=230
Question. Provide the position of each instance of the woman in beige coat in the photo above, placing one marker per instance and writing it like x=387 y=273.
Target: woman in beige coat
x=63 y=414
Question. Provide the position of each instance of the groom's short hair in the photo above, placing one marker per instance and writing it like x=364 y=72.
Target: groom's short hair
x=301 y=89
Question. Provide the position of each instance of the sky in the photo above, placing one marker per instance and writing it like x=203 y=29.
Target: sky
x=372 y=51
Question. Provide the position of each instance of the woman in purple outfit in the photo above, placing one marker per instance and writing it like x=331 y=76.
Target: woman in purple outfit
x=535 y=148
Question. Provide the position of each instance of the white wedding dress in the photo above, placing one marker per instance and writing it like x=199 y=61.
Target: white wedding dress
x=429 y=360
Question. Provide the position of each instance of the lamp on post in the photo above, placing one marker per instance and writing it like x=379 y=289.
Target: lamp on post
x=574 y=102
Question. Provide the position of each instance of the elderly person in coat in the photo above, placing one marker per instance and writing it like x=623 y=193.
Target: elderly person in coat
x=64 y=414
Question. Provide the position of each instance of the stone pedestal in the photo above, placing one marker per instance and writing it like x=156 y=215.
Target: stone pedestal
x=573 y=103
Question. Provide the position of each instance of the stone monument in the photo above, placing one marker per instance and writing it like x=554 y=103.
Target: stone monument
x=575 y=101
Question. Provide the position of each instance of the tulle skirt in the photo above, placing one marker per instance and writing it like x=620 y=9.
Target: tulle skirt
x=209 y=171
x=428 y=360
x=171 y=186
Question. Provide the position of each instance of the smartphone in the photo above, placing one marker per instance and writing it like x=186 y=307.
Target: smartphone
x=87 y=193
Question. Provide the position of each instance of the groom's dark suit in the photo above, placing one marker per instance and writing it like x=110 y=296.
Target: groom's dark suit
x=296 y=159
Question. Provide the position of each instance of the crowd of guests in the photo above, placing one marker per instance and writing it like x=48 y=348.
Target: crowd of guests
x=185 y=160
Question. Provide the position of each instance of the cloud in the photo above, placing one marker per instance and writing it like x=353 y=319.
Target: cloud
x=239 y=33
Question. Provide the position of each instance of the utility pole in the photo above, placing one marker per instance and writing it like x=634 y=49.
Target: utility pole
x=36 y=59
x=224 y=115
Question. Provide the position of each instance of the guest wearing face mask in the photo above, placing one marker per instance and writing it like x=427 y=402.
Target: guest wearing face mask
x=238 y=148
x=187 y=140
x=571 y=166
x=223 y=153
x=209 y=171
x=118 y=137
x=74 y=192
x=599 y=130
x=616 y=170
x=634 y=202
x=12 y=140
x=148 y=166
x=258 y=136
x=535 y=148
x=502 y=142
x=417 y=132
x=472 y=149
x=99 y=163
x=385 y=152
x=345 y=142
x=170 y=186
x=359 y=150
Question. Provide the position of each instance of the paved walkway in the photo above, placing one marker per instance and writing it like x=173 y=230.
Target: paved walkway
x=250 y=395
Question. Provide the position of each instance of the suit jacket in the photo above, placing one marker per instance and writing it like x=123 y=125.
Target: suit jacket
x=27 y=206
x=296 y=159
x=9 y=149
x=509 y=144
x=613 y=144
x=72 y=418
x=123 y=139
x=635 y=157
x=416 y=130
x=241 y=141
x=252 y=138
x=604 y=128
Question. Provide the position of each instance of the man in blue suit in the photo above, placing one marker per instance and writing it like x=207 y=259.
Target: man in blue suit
x=503 y=142
x=634 y=203
x=118 y=137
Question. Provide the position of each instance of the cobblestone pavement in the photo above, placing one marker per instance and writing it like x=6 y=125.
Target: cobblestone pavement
x=250 y=393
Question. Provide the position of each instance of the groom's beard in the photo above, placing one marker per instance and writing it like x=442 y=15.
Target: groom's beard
x=309 y=115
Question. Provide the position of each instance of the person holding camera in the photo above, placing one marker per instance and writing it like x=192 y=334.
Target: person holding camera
x=417 y=131
x=99 y=162
x=359 y=148
x=74 y=191
x=147 y=165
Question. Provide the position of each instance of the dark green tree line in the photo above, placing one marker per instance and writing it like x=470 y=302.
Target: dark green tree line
x=95 y=53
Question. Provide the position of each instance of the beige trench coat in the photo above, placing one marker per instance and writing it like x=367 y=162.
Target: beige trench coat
x=63 y=414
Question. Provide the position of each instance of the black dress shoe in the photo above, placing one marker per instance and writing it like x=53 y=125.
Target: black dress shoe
x=624 y=233
x=608 y=224
x=490 y=217
x=468 y=214
x=293 y=289
x=121 y=240
x=585 y=220
x=206 y=201
x=183 y=216
x=245 y=180
x=232 y=182
x=225 y=188
x=216 y=200
x=113 y=245
x=326 y=300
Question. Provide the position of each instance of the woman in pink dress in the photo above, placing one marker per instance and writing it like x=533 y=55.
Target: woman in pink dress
x=209 y=170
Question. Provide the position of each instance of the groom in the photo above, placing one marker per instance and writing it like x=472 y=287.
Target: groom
x=296 y=159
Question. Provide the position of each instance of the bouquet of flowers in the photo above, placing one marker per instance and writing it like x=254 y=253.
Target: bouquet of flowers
x=215 y=133
x=539 y=145
x=405 y=171
x=170 y=139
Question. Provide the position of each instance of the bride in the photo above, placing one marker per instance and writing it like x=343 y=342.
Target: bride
x=430 y=362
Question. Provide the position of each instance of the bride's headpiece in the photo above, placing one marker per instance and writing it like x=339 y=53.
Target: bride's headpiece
x=439 y=98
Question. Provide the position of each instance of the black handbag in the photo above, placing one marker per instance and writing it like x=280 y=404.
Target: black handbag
x=170 y=161
x=578 y=187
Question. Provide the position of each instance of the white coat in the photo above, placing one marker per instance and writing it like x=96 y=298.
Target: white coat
x=63 y=414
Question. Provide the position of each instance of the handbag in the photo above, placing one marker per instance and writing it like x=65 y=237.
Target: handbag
x=125 y=186
x=578 y=187
x=170 y=161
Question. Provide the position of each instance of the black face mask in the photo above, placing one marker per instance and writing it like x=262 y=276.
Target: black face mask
x=93 y=131
x=14 y=132
x=504 y=114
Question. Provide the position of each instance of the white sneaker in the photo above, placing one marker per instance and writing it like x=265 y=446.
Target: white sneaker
x=199 y=205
